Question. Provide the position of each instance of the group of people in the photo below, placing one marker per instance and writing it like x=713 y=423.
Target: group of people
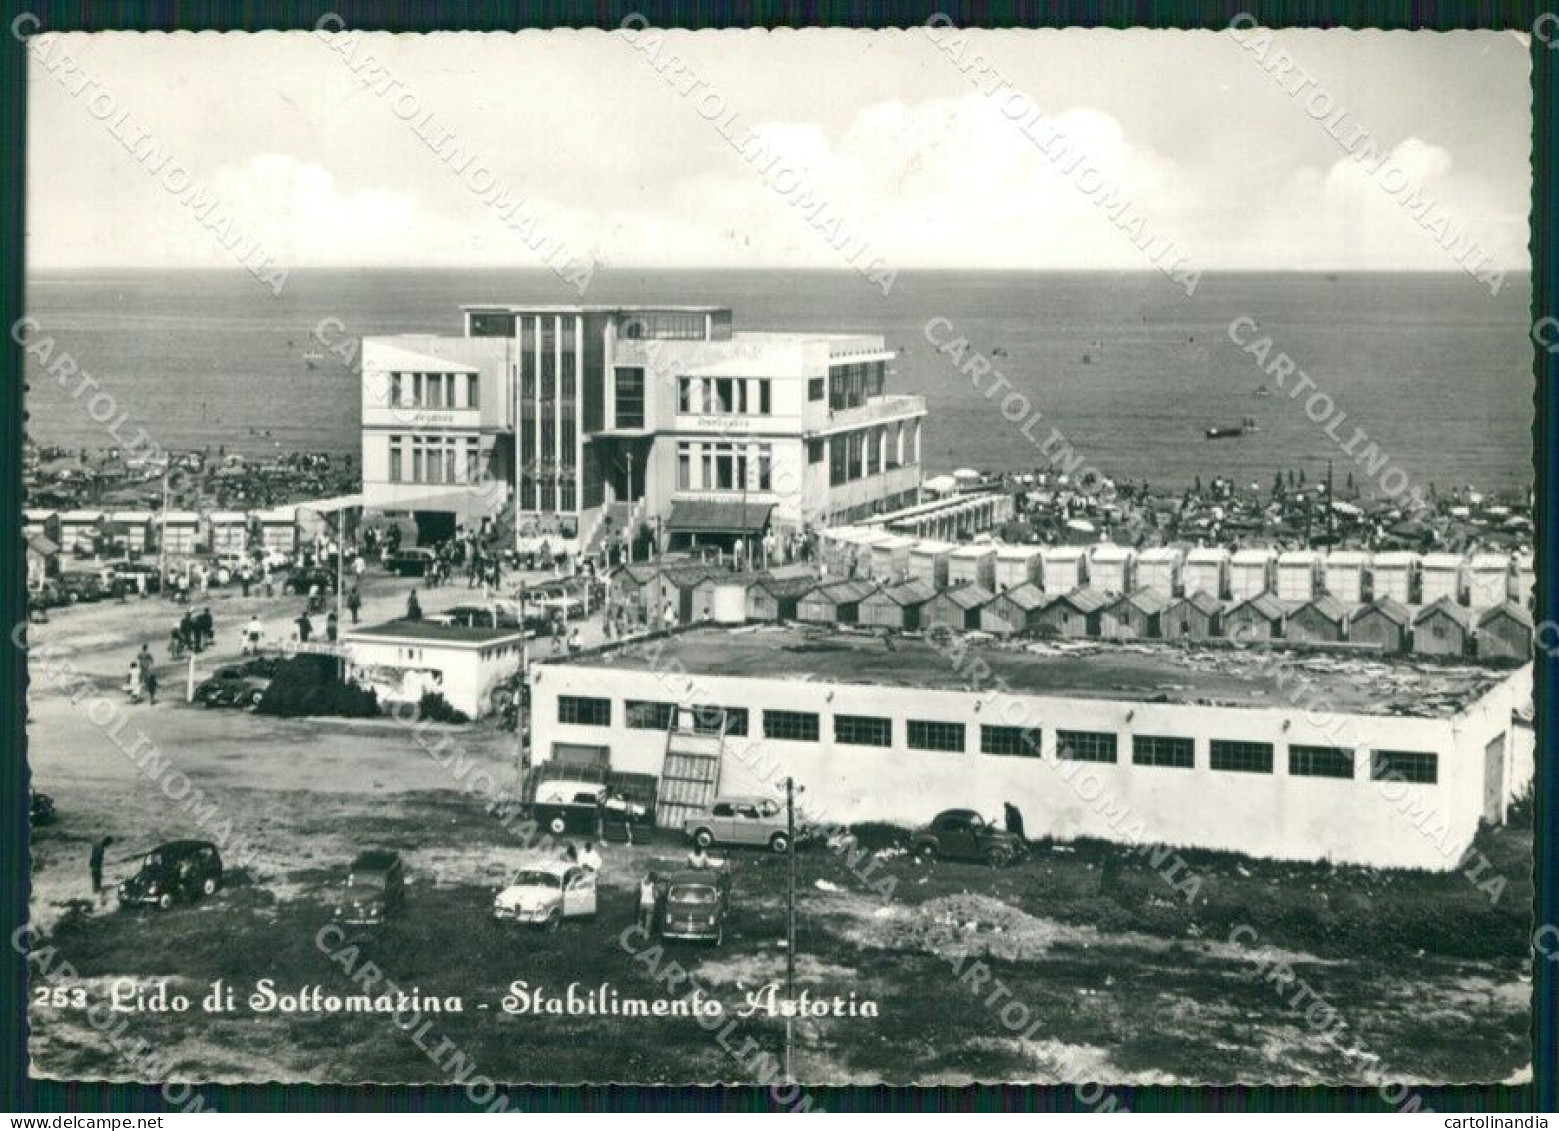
x=195 y=632
x=586 y=857
x=141 y=681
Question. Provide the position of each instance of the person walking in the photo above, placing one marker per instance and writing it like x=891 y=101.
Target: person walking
x=305 y=627
x=646 y=916
x=331 y=626
x=413 y=607
x=95 y=864
x=1013 y=819
x=133 y=682
x=354 y=602
x=149 y=679
x=253 y=633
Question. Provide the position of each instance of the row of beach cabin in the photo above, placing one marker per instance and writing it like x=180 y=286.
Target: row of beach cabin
x=1441 y=628
x=1478 y=581
x=175 y=532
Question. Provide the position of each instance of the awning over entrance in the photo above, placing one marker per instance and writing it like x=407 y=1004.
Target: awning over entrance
x=712 y=516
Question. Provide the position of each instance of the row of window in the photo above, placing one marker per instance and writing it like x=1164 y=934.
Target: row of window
x=1228 y=755
x=435 y=390
x=856 y=455
x=725 y=396
x=435 y=459
x=850 y=386
x=725 y=467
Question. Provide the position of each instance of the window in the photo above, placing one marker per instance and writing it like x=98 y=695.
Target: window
x=707 y=716
x=1241 y=757
x=1085 y=746
x=926 y=735
x=765 y=397
x=1159 y=750
x=395 y=459
x=685 y=394
x=1405 y=765
x=630 y=398
x=473 y=390
x=492 y=325
x=582 y=711
x=646 y=715
x=863 y=730
x=1017 y=742
x=1319 y=762
x=792 y=726
x=817 y=388
x=684 y=467
x=817 y=451
x=664 y=326
x=765 y=468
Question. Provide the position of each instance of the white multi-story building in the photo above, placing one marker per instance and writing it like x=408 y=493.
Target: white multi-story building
x=654 y=415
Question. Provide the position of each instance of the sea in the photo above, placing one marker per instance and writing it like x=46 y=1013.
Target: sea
x=1129 y=370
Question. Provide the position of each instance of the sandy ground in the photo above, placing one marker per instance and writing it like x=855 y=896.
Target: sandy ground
x=1129 y=983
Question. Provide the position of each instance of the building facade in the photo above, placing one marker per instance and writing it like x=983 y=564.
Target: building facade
x=585 y=420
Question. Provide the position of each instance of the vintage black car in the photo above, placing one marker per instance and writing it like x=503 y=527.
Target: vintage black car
x=375 y=888
x=410 y=563
x=692 y=904
x=962 y=834
x=79 y=587
x=240 y=686
x=180 y=871
x=305 y=578
x=40 y=808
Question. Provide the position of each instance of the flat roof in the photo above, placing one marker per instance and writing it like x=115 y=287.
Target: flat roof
x=1130 y=672
x=433 y=632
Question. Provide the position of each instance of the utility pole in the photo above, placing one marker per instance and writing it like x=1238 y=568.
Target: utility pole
x=162 y=534
x=790 y=911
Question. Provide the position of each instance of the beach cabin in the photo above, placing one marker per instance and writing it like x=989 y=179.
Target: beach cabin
x=1322 y=620
x=1018 y=565
x=676 y=587
x=1137 y=615
x=1384 y=622
x=229 y=533
x=1206 y=571
x=1194 y=617
x=1523 y=581
x=837 y=602
x=45 y=523
x=774 y=599
x=1064 y=568
x=890 y=558
x=928 y=560
x=722 y=597
x=1442 y=629
x=135 y=527
x=1159 y=569
x=1505 y=633
x=1015 y=611
x=77 y=528
x=974 y=565
x=179 y=532
x=897 y=607
x=1075 y=614
x=1111 y=568
x=1440 y=577
x=957 y=608
x=43 y=559
x=279 y=530
x=1488 y=580
x=1299 y=575
x=1256 y=618
x=1344 y=575
x=632 y=586
x=1250 y=572
x=1391 y=575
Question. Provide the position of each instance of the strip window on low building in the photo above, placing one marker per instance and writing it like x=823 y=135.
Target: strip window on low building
x=1240 y=757
x=648 y=715
x=790 y=726
x=580 y=710
x=1085 y=746
x=926 y=734
x=863 y=730
x=1015 y=742
x=1163 y=750
x=1405 y=765
x=1319 y=762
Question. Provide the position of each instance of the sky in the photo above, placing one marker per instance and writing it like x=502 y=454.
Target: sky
x=912 y=164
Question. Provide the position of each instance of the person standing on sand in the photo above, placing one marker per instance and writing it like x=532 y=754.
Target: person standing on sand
x=95 y=864
x=354 y=602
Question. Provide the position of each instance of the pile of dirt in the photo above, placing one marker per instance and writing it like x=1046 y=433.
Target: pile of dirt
x=965 y=923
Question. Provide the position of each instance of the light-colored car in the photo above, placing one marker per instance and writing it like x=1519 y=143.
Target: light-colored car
x=758 y=821
x=545 y=893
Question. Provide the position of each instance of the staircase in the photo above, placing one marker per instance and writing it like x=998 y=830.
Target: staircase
x=690 y=774
x=622 y=516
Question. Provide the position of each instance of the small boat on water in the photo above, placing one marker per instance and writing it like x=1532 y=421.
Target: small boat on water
x=313 y=358
x=1263 y=392
x=1232 y=431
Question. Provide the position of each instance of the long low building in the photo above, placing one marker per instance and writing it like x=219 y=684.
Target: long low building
x=1271 y=754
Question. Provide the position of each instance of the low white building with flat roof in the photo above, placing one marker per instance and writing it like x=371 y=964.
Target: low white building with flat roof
x=404 y=659
x=1383 y=778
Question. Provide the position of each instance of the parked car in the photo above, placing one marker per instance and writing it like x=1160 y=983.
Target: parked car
x=304 y=578
x=46 y=594
x=565 y=806
x=375 y=888
x=754 y=821
x=179 y=871
x=79 y=587
x=40 y=808
x=545 y=893
x=692 y=904
x=241 y=686
x=410 y=563
x=129 y=572
x=962 y=834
